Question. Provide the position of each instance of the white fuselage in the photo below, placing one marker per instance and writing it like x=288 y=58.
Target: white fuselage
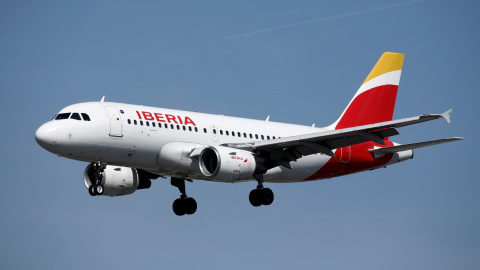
x=135 y=136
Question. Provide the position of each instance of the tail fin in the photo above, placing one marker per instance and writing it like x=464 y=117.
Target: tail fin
x=374 y=101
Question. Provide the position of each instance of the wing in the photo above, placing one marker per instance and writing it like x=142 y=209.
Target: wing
x=284 y=150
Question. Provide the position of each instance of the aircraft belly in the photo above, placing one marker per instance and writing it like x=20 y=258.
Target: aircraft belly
x=302 y=169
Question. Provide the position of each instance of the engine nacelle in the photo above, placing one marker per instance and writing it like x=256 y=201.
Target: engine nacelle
x=226 y=164
x=175 y=156
x=117 y=181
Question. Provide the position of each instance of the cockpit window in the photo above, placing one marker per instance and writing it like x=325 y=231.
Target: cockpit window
x=62 y=116
x=76 y=116
x=85 y=117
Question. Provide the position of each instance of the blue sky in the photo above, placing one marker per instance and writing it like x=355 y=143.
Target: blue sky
x=193 y=55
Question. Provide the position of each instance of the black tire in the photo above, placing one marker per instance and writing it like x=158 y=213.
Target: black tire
x=179 y=207
x=98 y=189
x=91 y=190
x=255 y=197
x=267 y=196
x=190 y=206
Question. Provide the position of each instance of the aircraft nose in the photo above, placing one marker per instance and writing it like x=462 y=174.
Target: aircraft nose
x=46 y=136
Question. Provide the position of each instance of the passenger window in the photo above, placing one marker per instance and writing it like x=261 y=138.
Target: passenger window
x=244 y=135
x=226 y=132
x=171 y=126
x=263 y=137
x=178 y=127
x=233 y=133
x=153 y=124
x=128 y=121
x=76 y=116
x=190 y=128
x=135 y=122
x=256 y=136
x=141 y=123
x=147 y=123
x=205 y=130
x=85 y=117
x=221 y=132
x=214 y=131
x=62 y=116
x=274 y=137
x=251 y=137
x=184 y=128
x=196 y=129
x=166 y=126
x=268 y=137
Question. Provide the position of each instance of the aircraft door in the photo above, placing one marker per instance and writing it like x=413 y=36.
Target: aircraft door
x=345 y=155
x=115 y=122
x=214 y=131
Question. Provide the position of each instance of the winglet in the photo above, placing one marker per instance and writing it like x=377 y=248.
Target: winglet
x=103 y=99
x=446 y=115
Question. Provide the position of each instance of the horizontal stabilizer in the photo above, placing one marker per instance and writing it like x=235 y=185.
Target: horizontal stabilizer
x=411 y=146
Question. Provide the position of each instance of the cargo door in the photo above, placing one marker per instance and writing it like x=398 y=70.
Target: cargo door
x=345 y=155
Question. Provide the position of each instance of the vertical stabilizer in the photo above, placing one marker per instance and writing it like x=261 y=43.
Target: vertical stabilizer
x=374 y=101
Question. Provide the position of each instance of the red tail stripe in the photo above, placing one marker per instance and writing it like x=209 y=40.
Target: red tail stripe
x=373 y=106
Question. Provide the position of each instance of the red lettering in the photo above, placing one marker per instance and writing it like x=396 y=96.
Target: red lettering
x=165 y=118
x=159 y=117
x=189 y=121
x=147 y=116
x=171 y=118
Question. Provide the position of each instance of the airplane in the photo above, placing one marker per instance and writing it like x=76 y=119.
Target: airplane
x=127 y=145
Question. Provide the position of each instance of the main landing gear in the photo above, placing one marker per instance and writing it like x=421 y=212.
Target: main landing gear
x=260 y=195
x=97 y=187
x=183 y=205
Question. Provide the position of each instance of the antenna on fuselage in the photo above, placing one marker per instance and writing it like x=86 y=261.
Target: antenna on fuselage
x=268 y=118
x=103 y=99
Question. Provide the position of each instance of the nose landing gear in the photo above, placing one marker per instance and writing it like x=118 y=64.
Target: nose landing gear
x=96 y=188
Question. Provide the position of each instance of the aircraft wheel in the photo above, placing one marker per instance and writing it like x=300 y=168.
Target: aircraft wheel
x=98 y=189
x=91 y=190
x=255 y=197
x=267 y=196
x=190 y=206
x=179 y=207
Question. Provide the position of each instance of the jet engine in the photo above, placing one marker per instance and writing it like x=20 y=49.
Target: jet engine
x=226 y=164
x=118 y=181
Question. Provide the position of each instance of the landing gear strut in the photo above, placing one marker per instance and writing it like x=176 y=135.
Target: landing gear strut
x=96 y=188
x=183 y=205
x=261 y=195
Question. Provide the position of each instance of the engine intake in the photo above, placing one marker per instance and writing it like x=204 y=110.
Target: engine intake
x=226 y=164
x=117 y=181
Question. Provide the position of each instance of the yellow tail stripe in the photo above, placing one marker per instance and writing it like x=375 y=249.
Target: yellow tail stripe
x=387 y=63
